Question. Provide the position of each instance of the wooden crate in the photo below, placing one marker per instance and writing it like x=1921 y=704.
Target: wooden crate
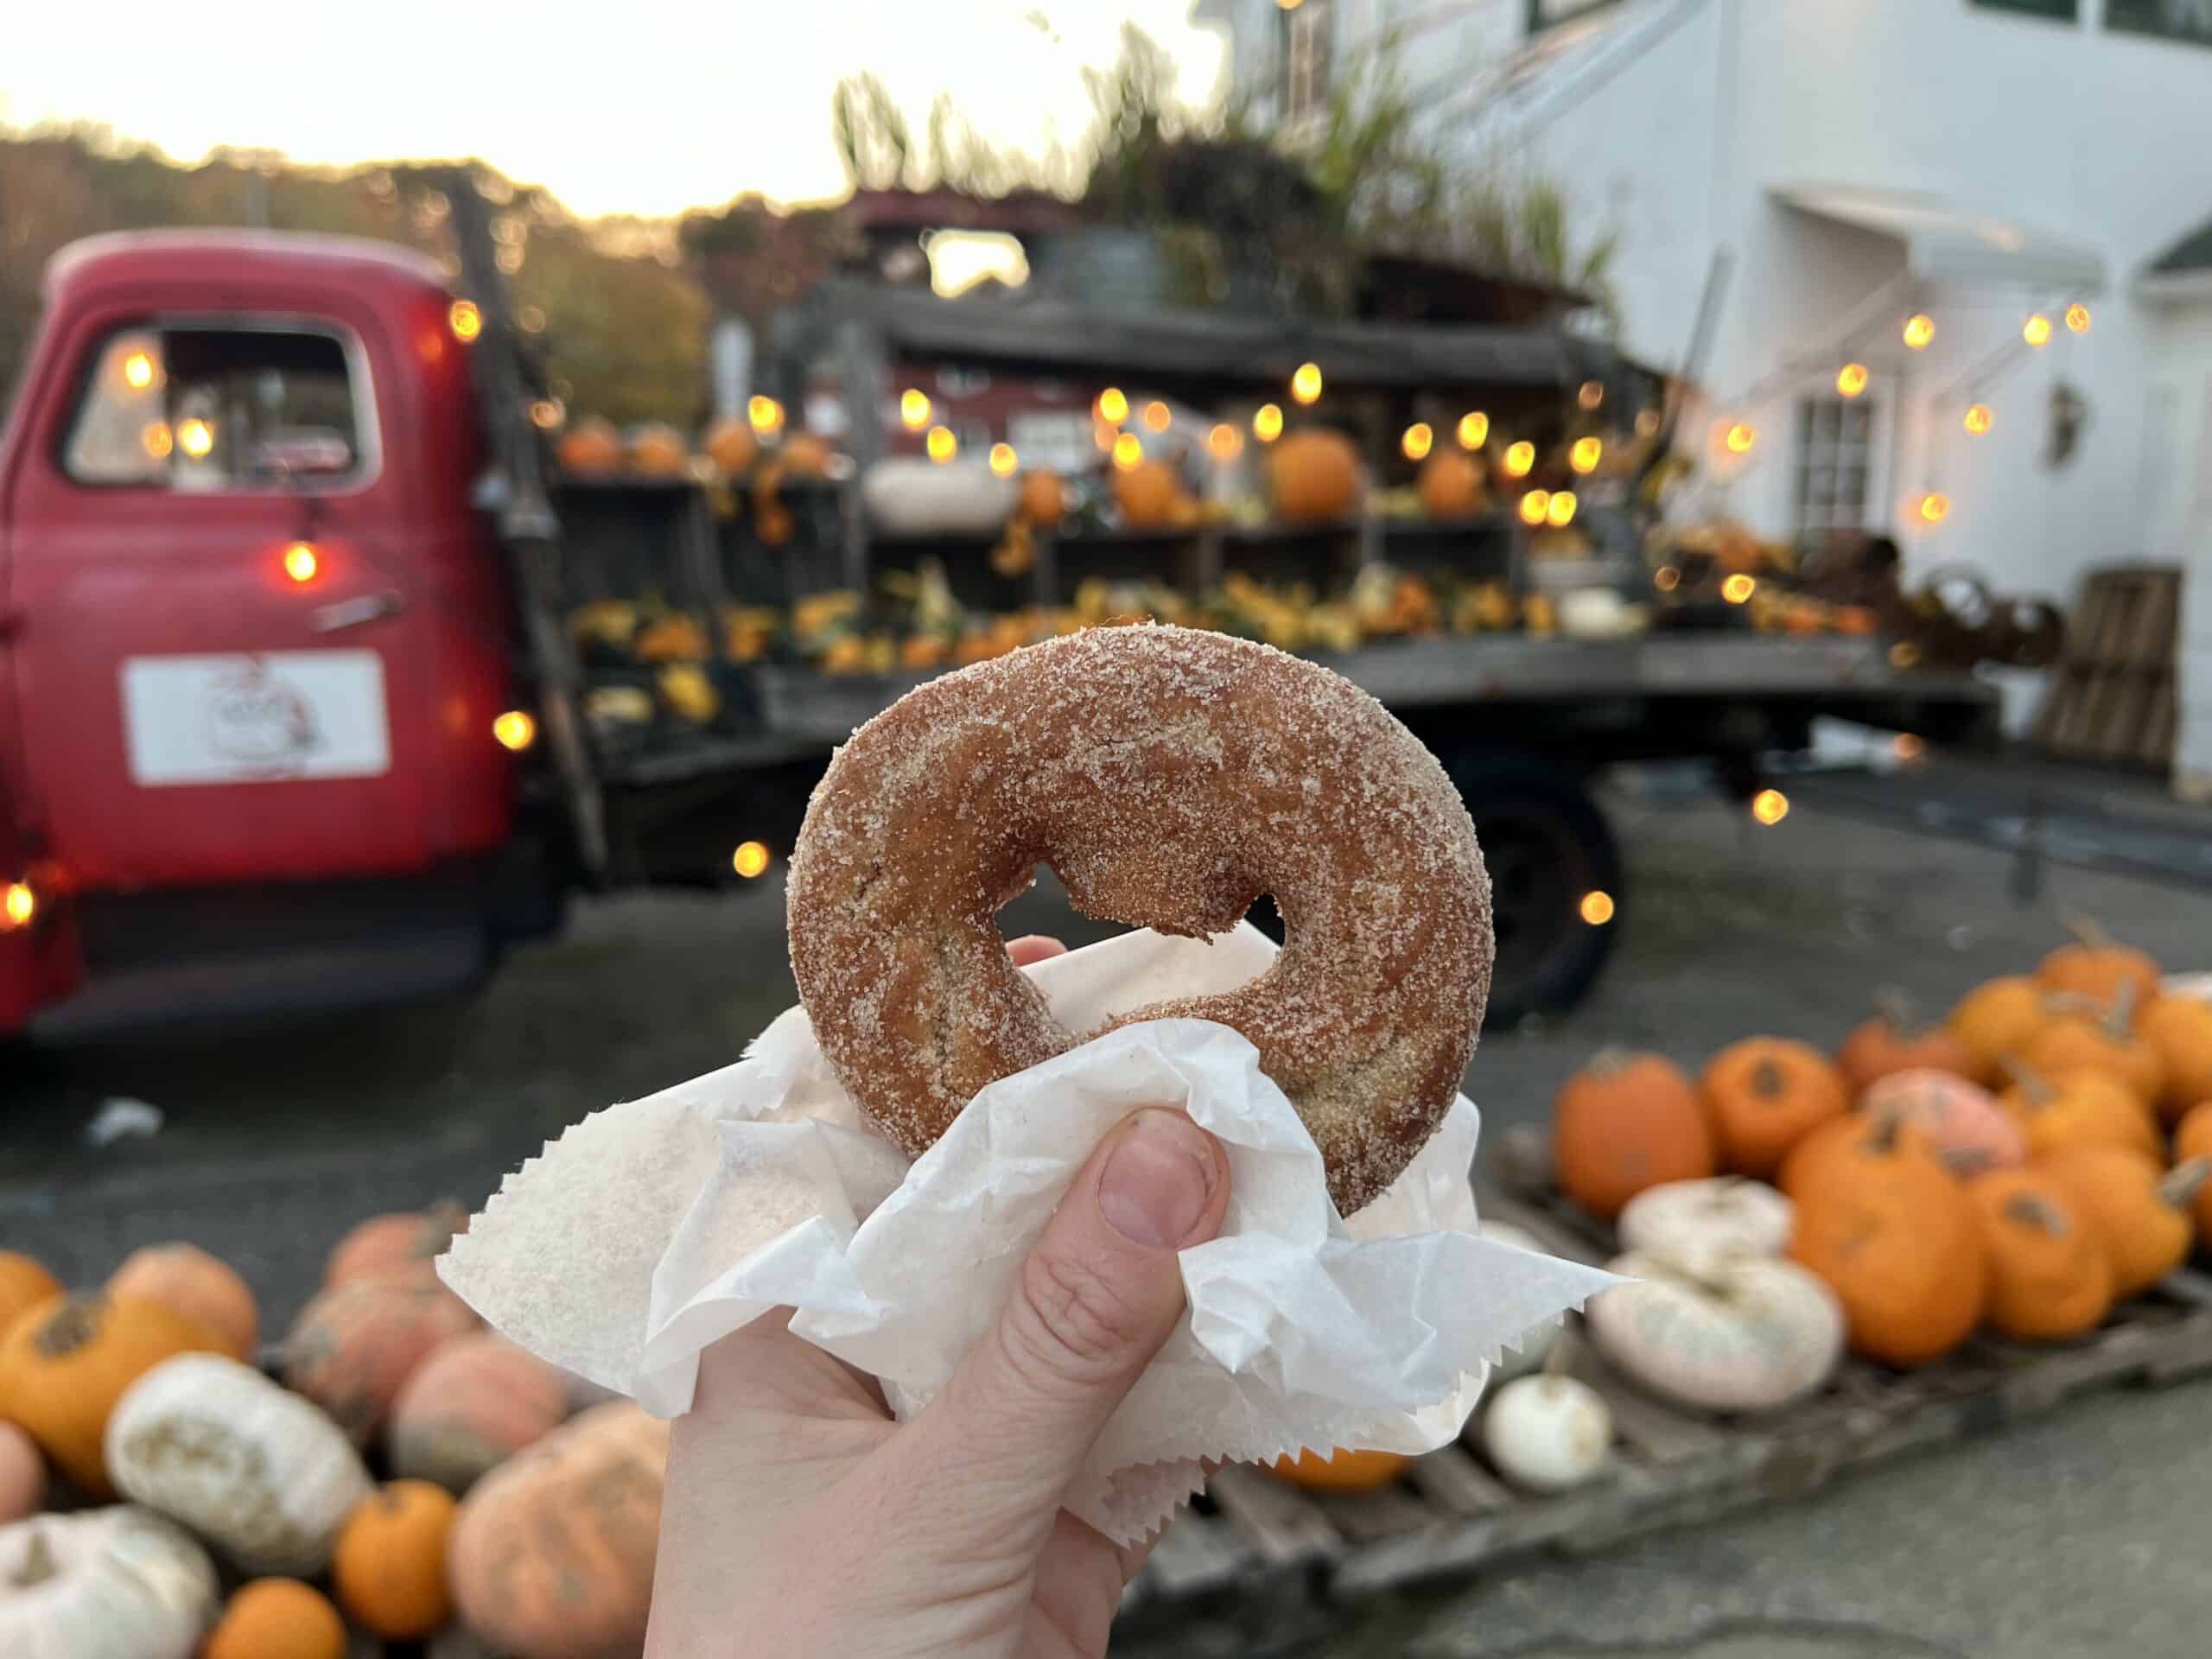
x=2112 y=694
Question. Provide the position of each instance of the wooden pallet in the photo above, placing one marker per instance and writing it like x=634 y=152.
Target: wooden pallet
x=2112 y=691
x=1251 y=1537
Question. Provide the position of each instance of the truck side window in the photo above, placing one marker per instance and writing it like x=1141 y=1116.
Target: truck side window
x=212 y=409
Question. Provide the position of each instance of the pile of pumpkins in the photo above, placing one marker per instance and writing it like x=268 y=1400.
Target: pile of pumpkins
x=162 y=1495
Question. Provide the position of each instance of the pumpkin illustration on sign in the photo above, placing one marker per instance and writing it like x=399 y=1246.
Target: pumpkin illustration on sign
x=1765 y=1094
x=1625 y=1122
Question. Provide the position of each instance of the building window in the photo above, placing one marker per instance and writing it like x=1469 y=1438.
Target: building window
x=2069 y=10
x=2171 y=20
x=1302 y=51
x=1546 y=13
x=1833 y=470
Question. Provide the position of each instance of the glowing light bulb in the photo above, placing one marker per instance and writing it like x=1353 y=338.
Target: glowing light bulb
x=1979 y=419
x=1519 y=458
x=1156 y=417
x=1919 y=330
x=1851 y=380
x=1738 y=588
x=1267 y=422
x=1003 y=459
x=2037 y=330
x=1534 y=506
x=1112 y=406
x=196 y=438
x=1559 y=513
x=138 y=370
x=1306 y=383
x=1740 y=437
x=1417 y=440
x=465 y=320
x=300 y=562
x=1665 y=578
x=1770 y=806
x=1474 y=429
x=547 y=413
x=157 y=439
x=18 y=903
x=751 y=859
x=914 y=409
x=1596 y=907
x=1935 y=507
x=1225 y=442
x=1591 y=394
x=765 y=414
x=1585 y=455
x=1129 y=452
x=941 y=444
x=2077 y=318
x=516 y=730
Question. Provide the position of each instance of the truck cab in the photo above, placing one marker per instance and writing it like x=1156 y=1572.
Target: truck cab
x=254 y=639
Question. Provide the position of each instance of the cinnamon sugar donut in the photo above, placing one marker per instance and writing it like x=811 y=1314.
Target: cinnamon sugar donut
x=1169 y=777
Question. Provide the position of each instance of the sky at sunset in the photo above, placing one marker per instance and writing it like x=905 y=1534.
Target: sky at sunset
x=645 y=108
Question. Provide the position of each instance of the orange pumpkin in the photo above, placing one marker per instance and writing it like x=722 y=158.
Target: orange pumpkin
x=591 y=447
x=657 y=450
x=277 y=1618
x=732 y=446
x=1044 y=498
x=407 y=1242
x=1451 y=485
x=1762 y=1096
x=24 y=1283
x=1970 y=1131
x=804 y=455
x=2180 y=1029
x=65 y=1363
x=2078 y=1108
x=353 y=1347
x=1894 y=1235
x=1893 y=1041
x=2192 y=1141
x=23 y=1475
x=1997 y=1020
x=1342 y=1471
x=390 y=1565
x=2096 y=968
x=2087 y=1042
x=204 y=1288
x=2048 y=1277
x=473 y=1404
x=1314 y=474
x=1148 y=495
x=2137 y=1213
x=552 y=1553
x=1625 y=1122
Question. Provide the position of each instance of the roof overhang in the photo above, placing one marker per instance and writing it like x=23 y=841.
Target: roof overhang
x=1951 y=246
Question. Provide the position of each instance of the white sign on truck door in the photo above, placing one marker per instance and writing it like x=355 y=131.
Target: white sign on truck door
x=266 y=717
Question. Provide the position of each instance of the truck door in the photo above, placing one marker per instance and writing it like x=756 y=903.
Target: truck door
x=217 y=659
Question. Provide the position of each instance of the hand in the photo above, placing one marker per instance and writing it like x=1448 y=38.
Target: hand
x=800 y=1521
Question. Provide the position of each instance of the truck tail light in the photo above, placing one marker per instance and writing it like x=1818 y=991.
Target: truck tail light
x=18 y=903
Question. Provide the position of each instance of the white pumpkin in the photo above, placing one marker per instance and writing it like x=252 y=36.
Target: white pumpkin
x=117 y=1583
x=907 y=497
x=1536 y=1344
x=261 y=1474
x=1598 y=613
x=1698 y=1225
x=1749 y=1334
x=1548 y=1432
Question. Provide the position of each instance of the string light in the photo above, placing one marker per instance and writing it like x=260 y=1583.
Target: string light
x=1519 y=459
x=2077 y=317
x=765 y=414
x=157 y=439
x=547 y=413
x=1225 y=442
x=1534 y=506
x=1113 y=407
x=1416 y=442
x=1769 y=807
x=138 y=370
x=1665 y=578
x=300 y=562
x=1935 y=507
x=751 y=859
x=1919 y=330
x=1156 y=416
x=515 y=730
x=1740 y=437
x=2037 y=330
x=1585 y=455
x=1560 y=512
x=1306 y=383
x=196 y=438
x=1596 y=907
x=1980 y=418
x=914 y=408
x=1738 y=588
x=941 y=444
x=1474 y=429
x=1267 y=422
x=1129 y=452
x=465 y=320
x=1591 y=394
x=1003 y=459
x=18 y=903
x=1851 y=380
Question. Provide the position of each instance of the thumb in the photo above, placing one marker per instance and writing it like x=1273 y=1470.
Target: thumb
x=1096 y=1298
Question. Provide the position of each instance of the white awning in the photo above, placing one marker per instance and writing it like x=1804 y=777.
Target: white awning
x=1946 y=244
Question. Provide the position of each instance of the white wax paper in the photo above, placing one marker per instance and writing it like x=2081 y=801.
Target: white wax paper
x=652 y=1229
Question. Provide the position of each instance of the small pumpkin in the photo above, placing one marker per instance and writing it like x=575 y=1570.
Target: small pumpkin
x=24 y=1283
x=277 y=1618
x=1883 y=1222
x=390 y=1568
x=732 y=446
x=204 y=1288
x=1625 y=1122
x=804 y=455
x=1044 y=498
x=1697 y=1224
x=2138 y=1213
x=1342 y=1471
x=260 y=1474
x=1840 y=1140
x=1894 y=1041
x=1970 y=1131
x=1148 y=495
x=2180 y=1029
x=2192 y=1141
x=590 y=448
x=65 y=1365
x=1314 y=475
x=22 y=1474
x=657 y=450
x=2073 y=1107
x=1753 y=1333
x=1548 y=1432
x=2049 y=1278
x=473 y=1404
x=407 y=1242
x=117 y=1583
x=1764 y=1095
x=1450 y=484
x=2099 y=1038
x=1995 y=1022
x=353 y=1347
x=2098 y=969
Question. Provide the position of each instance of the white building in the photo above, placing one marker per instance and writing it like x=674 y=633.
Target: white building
x=1856 y=163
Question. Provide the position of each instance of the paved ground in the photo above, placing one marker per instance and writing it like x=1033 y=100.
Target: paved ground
x=2063 y=1540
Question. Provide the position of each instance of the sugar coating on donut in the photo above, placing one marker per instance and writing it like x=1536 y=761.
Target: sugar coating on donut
x=1169 y=777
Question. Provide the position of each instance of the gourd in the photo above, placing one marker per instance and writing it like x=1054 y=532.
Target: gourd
x=658 y=451
x=1969 y=1130
x=277 y=1618
x=1044 y=498
x=1763 y=1095
x=1698 y=1225
x=408 y=1242
x=1536 y=1342
x=1450 y=484
x=2096 y=968
x=24 y=1284
x=552 y=1553
x=2192 y=1141
x=2137 y=1213
x=2088 y=1040
x=1314 y=475
x=353 y=1348
x=1342 y=1471
x=1893 y=1041
x=1625 y=1122
x=260 y=1474
x=204 y=1288
x=907 y=496
x=116 y=1583
x=2075 y=1107
x=2180 y=1029
x=1548 y=1432
x=732 y=446
x=591 y=447
x=63 y=1367
x=22 y=1474
x=1995 y=1022
x=1148 y=495
x=1748 y=1334
x=473 y=1404
x=390 y=1568
x=2048 y=1278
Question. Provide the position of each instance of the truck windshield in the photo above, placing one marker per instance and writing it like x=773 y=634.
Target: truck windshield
x=213 y=409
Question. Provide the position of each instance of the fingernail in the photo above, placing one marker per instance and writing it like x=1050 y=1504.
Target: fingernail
x=1156 y=1182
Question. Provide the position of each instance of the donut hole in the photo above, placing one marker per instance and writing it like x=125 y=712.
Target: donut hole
x=1043 y=908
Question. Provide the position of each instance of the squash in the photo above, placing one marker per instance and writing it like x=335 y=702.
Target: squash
x=2137 y=1213
x=354 y=1348
x=1625 y=1122
x=205 y=1289
x=1548 y=1432
x=1314 y=475
x=64 y=1365
x=2101 y=1038
x=1842 y=1140
x=1763 y=1095
x=473 y=1404
x=591 y=448
x=1535 y=1343
x=2048 y=1276
x=1995 y=1022
x=2096 y=969
x=1342 y=1470
x=1893 y=1041
x=24 y=1283
x=117 y=1583
x=1750 y=1333
x=1044 y=498
x=407 y=1242
x=905 y=495
x=1450 y=484
x=1698 y=1225
x=2192 y=1141
x=658 y=451
x=1895 y=1236
x=1148 y=495
x=732 y=446
x=2180 y=1029
x=277 y=1618
x=22 y=1474
x=1970 y=1131
x=390 y=1568
x=2077 y=1107
x=259 y=1473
